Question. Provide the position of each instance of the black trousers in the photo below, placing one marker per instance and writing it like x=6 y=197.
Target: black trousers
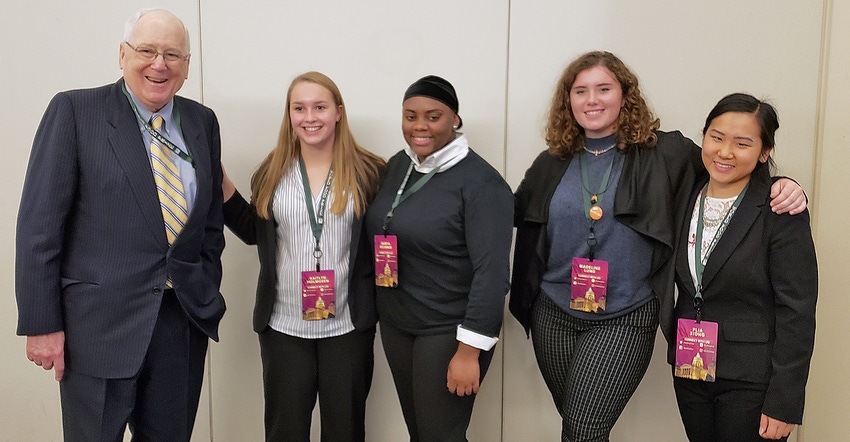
x=720 y=411
x=296 y=370
x=159 y=403
x=419 y=365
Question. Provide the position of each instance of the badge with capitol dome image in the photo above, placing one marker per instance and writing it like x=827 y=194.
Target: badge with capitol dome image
x=696 y=350
x=318 y=301
x=589 y=287
x=386 y=261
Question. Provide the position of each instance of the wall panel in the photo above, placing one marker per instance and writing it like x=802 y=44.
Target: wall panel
x=827 y=393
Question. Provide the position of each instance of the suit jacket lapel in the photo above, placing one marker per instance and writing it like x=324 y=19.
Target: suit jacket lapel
x=191 y=130
x=743 y=219
x=133 y=158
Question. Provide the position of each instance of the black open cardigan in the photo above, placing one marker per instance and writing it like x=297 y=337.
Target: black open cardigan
x=653 y=189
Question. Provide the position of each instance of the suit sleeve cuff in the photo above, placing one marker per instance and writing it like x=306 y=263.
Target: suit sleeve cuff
x=476 y=340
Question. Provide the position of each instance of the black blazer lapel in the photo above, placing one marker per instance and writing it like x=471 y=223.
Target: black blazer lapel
x=743 y=219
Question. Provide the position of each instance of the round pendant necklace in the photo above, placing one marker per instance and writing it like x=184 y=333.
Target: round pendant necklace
x=592 y=199
x=595 y=211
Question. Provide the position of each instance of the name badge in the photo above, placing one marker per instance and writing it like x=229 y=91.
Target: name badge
x=696 y=350
x=386 y=261
x=589 y=288
x=318 y=301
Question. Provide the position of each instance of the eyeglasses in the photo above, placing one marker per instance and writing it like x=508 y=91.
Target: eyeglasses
x=149 y=53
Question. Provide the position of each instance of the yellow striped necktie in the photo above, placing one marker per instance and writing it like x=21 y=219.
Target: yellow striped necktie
x=169 y=187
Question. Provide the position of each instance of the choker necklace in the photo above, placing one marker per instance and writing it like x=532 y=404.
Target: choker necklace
x=600 y=151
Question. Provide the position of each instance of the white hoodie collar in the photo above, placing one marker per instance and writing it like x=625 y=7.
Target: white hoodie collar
x=446 y=157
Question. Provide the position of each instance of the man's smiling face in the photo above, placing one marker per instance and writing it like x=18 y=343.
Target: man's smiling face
x=155 y=82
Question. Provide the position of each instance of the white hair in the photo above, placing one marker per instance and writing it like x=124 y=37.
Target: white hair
x=130 y=25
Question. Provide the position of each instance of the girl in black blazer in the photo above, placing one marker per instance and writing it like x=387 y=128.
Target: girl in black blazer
x=754 y=278
x=309 y=196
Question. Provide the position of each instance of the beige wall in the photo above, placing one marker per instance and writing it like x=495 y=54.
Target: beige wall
x=503 y=57
x=828 y=396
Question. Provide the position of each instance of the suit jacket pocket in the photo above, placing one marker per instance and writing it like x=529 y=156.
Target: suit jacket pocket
x=67 y=282
x=743 y=353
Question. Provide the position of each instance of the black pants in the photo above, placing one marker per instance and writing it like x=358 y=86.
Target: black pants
x=720 y=411
x=296 y=370
x=419 y=365
x=159 y=403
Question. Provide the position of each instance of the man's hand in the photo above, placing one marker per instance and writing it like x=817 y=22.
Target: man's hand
x=464 y=373
x=48 y=352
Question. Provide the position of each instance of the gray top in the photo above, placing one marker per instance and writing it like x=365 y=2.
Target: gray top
x=628 y=253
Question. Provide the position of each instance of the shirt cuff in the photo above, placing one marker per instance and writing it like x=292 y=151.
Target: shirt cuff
x=477 y=340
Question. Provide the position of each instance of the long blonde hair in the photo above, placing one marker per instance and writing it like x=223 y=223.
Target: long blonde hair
x=356 y=171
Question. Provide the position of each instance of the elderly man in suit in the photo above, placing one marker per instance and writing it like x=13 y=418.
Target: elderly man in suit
x=119 y=242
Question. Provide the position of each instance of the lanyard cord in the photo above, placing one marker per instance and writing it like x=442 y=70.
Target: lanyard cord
x=699 y=259
x=317 y=223
x=175 y=115
x=592 y=201
x=402 y=195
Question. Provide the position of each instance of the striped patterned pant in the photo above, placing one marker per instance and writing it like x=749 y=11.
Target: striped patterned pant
x=592 y=368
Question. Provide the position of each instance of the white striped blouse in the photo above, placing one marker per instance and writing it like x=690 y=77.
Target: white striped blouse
x=295 y=244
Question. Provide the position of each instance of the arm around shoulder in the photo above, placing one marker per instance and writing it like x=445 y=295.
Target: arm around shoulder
x=241 y=218
x=682 y=153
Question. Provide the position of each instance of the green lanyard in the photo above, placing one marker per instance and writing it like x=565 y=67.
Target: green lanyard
x=402 y=195
x=593 y=200
x=699 y=259
x=175 y=116
x=317 y=223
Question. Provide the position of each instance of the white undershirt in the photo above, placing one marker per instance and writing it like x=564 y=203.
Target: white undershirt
x=713 y=214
